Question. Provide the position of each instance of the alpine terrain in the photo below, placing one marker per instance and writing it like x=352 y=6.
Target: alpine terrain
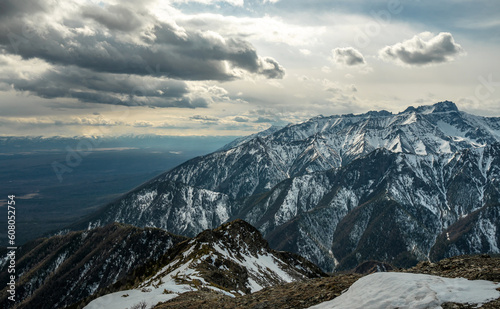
x=121 y=266
x=422 y=184
x=232 y=260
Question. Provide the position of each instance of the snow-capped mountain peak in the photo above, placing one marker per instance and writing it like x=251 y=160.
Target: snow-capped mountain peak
x=322 y=143
x=342 y=189
x=440 y=107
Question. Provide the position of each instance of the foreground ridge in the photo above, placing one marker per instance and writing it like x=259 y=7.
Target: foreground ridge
x=316 y=291
x=231 y=260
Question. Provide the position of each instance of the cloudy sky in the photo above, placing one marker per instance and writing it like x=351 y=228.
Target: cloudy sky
x=234 y=67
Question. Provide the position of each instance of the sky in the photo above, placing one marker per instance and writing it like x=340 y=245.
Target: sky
x=235 y=67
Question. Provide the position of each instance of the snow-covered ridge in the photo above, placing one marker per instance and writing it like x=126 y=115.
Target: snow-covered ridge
x=233 y=259
x=257 y=163
x=400 y=290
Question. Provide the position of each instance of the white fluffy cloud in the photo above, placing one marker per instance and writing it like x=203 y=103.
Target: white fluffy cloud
x=348 y=56
x=423 y=49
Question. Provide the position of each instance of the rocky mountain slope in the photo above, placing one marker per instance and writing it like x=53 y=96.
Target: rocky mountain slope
x=232 y=259
x=400 y=188
x=173 y=206
x=119 y=266
x=62 y=270
x=385 y=206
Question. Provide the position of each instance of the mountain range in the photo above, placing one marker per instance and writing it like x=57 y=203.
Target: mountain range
x=336 y=192
x=421 y=184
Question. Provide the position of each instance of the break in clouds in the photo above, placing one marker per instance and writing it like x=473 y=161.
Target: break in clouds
x=118 y=54
x=423 y=49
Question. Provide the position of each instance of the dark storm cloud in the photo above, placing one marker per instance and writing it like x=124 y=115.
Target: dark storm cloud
x=115 y=17
x=271 y=69
x=120 y=54
x=417 y=51
x=348 y=56
x=189 y=55
x=16 y=8
x=91 y=87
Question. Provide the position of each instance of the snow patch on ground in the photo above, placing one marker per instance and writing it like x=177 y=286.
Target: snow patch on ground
x=445 y=147
x=158 y=289
x=127 y=299
x=420 y=148
x=402 y=290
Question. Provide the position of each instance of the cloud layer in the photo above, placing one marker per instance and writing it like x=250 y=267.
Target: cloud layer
x=115 y=53
x=423 y=49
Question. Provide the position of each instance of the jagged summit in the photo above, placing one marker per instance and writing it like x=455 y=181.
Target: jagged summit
x=322 y=143
x=440 y=107
x=381 y=113
x=445 y=106
x=237 y=235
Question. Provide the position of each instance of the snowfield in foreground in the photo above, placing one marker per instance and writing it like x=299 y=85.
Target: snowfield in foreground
x=416 y=291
